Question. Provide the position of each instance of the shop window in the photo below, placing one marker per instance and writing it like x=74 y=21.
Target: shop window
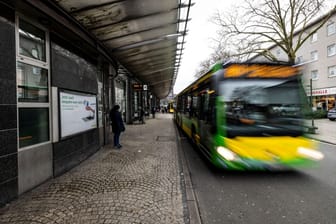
x=33 y=126
x=32 y=41
x=331 y=49
x=32 y=76
x=331 y=28
x=32 y=82
x=332 y=71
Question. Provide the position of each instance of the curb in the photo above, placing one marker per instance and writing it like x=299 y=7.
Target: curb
x=192 y=204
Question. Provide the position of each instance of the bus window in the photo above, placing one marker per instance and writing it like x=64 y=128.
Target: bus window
x=204 y=104
x=252 y=107
x=194 y=109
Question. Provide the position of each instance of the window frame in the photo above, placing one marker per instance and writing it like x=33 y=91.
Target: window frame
x=37 y=63
x=314 y=53
x=315 y=71
x=331 y=68
x=313 y=37
x=299 y=59
x=331 y=28
x=331 y=46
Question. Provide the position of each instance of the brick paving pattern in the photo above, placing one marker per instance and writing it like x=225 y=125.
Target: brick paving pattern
x=141 y=183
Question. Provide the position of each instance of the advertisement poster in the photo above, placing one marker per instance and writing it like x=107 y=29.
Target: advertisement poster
x=78 y=112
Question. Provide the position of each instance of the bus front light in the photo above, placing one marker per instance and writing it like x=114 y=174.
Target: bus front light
x=310 y=153
x=226 y=153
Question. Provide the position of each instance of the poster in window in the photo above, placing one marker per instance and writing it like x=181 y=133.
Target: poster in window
x=78 y=112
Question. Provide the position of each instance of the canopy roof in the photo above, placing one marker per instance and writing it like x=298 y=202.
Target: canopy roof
x=145 y=36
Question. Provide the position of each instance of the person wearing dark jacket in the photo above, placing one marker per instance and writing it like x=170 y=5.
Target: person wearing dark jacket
x=117 y=125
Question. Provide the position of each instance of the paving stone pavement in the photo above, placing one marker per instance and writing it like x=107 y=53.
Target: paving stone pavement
x=326 y=130
x=141 y=183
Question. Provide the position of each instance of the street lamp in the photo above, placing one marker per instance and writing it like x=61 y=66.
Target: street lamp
x=313 y=128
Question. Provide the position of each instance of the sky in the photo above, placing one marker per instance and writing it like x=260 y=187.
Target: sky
x=198 y=40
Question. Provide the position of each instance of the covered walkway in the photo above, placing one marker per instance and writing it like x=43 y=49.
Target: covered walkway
x=141 y=183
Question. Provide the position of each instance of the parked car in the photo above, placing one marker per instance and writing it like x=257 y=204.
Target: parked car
x=332 y=114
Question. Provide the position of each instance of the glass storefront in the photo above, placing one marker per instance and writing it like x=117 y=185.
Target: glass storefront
x=32 y=83
x=32 y=41
x=33 y=126
x=324 y=102
x=120 y=97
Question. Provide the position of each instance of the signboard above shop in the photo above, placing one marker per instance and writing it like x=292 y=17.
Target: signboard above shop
x=322 y=92
x=139 y=87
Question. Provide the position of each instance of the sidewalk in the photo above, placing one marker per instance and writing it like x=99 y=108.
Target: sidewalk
x=141 y=183
x=326 y=131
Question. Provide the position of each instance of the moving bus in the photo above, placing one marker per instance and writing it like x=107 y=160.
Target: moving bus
x=233 y=115
x=171 y=106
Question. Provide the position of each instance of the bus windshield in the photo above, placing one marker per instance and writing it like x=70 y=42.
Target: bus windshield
x=261 y=107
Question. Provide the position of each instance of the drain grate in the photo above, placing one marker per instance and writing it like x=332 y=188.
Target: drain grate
x=165 y=138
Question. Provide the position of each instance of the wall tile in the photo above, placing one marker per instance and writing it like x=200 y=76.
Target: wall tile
x=8 y=191
x=8 y=167
x=8 y=142
x=7 y=62
x=8 y=119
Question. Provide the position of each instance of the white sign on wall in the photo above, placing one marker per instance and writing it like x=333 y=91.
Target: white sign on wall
x=78 y=112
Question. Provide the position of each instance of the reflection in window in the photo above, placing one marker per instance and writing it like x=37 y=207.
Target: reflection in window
x=33 y=126
x=32 y=41
x=32 y=83
x=262 y=107
x=331 y=28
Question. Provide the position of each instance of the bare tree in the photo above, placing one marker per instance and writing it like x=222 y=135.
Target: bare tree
x=257 y=25
x=219 y=54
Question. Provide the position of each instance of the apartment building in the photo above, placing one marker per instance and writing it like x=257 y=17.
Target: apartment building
x=318 y=57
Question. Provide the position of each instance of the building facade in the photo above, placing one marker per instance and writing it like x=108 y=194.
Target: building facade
x=318 y=57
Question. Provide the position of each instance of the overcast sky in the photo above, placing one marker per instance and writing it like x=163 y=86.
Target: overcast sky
x=198 y=41
x=197 y=46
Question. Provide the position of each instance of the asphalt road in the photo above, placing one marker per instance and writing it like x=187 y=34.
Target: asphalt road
x=302 y=196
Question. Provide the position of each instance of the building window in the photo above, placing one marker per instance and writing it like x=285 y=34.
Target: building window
x=313 y=55
x=32 y=76
x=313 y=37
x=332 y=71
x=299 y=59
x=314 y=74
x=331 y=49
x=331 y=29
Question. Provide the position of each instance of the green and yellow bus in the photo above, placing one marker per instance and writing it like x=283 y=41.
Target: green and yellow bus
x=171 y=106
x=233 y=115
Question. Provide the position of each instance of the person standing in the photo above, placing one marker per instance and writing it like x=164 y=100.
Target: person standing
x=153 y=112
x=117 y=125
x=142 y=115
